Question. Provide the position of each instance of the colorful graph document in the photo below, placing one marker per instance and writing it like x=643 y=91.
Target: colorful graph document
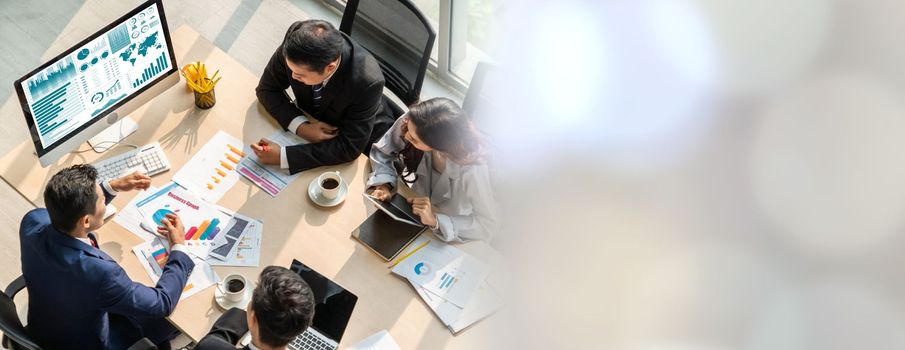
x=444 y=270
x=212 y=171
x=153 y=257
x=130 y=218
x=270 y=178
x=243 y=247
x=203 y=221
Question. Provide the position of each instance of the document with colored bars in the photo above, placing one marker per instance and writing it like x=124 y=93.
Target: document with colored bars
x=204 y=222
x=153 y=257
x=243 y=243
x=445 y=271
x=212 y=171
x=94 y=77
x=270 y=178
x=455 y=285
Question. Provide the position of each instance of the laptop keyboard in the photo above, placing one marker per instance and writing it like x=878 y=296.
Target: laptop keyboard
x=310 y=340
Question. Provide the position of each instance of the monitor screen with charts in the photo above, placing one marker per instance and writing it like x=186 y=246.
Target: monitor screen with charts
x=71 y=92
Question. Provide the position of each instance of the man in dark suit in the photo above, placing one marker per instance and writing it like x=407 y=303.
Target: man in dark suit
x=78 y=296
x=338 y=88
x=281 y=308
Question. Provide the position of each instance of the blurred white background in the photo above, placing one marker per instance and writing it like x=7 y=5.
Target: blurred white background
x=704 y=174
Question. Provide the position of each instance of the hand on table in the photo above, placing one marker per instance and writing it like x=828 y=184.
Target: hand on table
x=267 y=151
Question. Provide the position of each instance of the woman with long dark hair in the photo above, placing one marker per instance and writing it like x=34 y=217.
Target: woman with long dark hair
x=436 y=149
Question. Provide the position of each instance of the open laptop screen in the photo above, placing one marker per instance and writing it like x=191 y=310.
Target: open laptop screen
x=334 y=303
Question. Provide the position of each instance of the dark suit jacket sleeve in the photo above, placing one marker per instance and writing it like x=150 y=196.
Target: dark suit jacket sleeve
x=119 y=294
x=272 y=87
x=227 y=331
x=108 y=197
x=354 y=134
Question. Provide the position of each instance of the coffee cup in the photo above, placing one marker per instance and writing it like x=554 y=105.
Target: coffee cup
x=329 y=184
x=233 y=287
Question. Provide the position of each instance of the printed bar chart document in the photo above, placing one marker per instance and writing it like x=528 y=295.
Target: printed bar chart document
x=270 y=178
x=153 y=257
x=444 y=270
x=203 y=221
x=212 y=171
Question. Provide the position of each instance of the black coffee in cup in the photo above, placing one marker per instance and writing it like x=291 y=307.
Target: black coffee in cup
x=234 y=286
x=330 y=184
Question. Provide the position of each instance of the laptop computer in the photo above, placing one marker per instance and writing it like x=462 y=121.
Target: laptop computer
x=332 y=311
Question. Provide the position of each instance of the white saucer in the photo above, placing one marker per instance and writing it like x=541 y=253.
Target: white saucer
x=317 y=197
x=220 y=298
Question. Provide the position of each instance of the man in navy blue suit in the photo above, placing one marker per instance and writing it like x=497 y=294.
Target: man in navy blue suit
x=78 y=296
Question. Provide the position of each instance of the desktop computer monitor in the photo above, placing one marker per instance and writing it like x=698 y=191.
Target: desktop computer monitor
x=91 y=86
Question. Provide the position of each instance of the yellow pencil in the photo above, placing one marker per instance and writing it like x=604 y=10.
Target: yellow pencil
x=409 y=254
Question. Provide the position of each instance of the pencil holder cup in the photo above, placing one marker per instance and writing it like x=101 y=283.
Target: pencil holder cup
x=205 y=100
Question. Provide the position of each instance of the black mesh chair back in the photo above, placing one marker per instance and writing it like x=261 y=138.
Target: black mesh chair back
x=14 y=334
x=399 y=36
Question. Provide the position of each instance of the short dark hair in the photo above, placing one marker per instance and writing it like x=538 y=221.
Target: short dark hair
x=283 y=305
x=70 y=195
x=315 y=44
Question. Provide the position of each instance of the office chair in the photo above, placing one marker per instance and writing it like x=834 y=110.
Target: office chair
x=476 y=96
x=480 y=102
x=399 y=36
x=16 y=337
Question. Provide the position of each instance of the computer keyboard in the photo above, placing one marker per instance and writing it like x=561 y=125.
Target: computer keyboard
x=149 y=159
x=311 y=339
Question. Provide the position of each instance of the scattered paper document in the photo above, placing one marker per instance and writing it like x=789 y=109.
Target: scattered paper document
x=484 y=302
x=153 y=256
x=378 y=341
x=270 y=178
x=444 y=270
x=203 y=221
x=212 y=171
x=243 y=247
x=130 y=218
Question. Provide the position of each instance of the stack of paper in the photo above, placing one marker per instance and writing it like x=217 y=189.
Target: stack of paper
x=243 y=247
x=451 y=282
x=203 y=221
x=214 y=235
x=130 y=218
x=153 y=256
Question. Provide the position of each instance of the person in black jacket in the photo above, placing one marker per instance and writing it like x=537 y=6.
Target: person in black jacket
x=338 y=106
x=281 y=308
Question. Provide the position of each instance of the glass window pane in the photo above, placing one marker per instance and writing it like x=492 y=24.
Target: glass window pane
x=480 y=31
x=431 y=9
